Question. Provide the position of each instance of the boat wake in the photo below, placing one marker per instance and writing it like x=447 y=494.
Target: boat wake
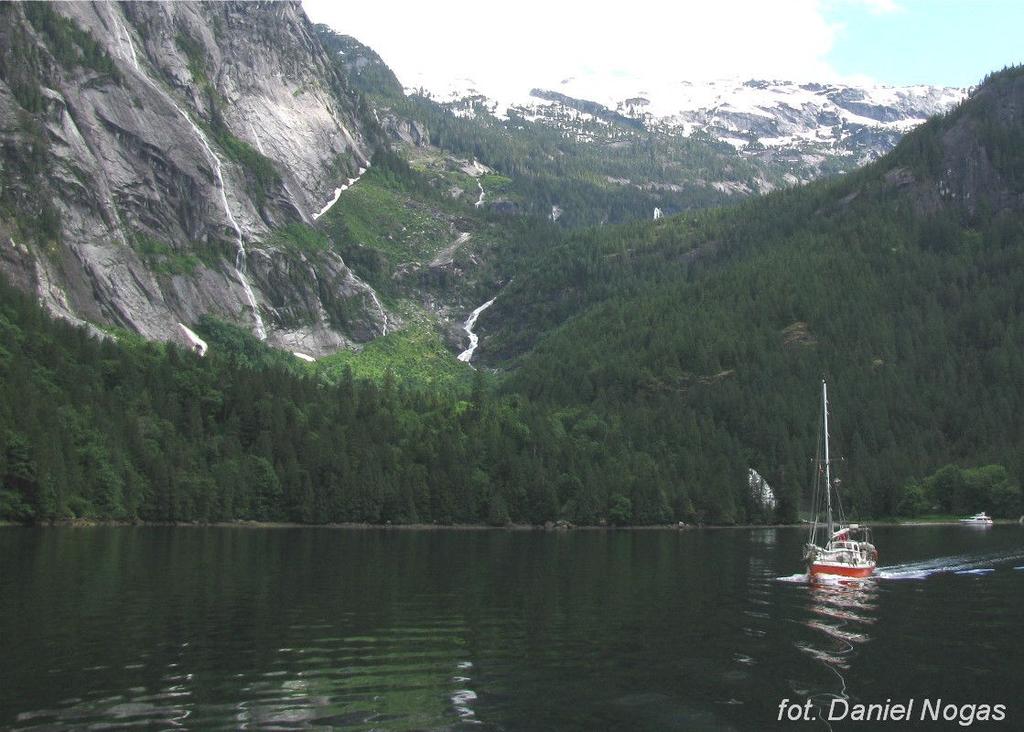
x=962 y=564
x=976 y=565
x=825 y=580
x=797 y=579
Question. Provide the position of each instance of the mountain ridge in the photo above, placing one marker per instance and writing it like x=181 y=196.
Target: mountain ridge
x=790 y=126
x=629 y=373
x=705 y=334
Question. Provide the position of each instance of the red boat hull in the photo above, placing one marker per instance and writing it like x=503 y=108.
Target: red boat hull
x=839 y=570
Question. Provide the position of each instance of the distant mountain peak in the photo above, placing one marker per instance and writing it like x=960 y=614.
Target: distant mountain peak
x=806 y=125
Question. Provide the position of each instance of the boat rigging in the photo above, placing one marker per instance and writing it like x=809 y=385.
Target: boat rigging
x=845 y=549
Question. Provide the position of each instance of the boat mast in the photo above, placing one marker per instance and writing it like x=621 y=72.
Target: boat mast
x=828 y=477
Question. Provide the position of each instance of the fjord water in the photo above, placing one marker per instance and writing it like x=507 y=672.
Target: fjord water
x=403 y=629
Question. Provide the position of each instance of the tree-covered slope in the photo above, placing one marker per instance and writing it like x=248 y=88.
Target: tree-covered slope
x=706 y=335
x=577 y=172
x=97 y=428
x=597 y=152
x=652 y=364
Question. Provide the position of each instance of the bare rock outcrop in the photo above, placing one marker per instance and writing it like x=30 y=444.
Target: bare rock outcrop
x=169 y=152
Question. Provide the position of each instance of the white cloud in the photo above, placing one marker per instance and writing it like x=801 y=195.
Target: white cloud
x=508 y=47
x=881 y=7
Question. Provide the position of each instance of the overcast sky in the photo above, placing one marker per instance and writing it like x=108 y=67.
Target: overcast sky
x=512 y=45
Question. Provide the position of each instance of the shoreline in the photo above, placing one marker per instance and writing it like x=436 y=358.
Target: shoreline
x=82 y=523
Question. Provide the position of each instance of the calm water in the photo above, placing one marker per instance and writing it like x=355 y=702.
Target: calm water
x=221 y=627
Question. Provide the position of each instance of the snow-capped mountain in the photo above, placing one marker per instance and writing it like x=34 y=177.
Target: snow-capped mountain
x=780 y=113
x=811 y=128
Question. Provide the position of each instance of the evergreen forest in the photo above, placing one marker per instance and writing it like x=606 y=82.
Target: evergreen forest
x=630 y=374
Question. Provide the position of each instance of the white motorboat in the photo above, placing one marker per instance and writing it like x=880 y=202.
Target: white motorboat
x=978 y=519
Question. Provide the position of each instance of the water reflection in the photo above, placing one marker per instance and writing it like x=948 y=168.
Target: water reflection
x=767 y=536
x=463 y=697
x=841 y=613
x=584 y=630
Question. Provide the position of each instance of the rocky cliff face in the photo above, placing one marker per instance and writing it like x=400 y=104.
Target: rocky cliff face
x=972 y=161
x=154 y=153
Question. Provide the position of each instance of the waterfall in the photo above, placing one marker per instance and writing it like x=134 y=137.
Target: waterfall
x=474 y=339
x=131 y=46
x=240 y=256
x=380 y=308
x=760 y=491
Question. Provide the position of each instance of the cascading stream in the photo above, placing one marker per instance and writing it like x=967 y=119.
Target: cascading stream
x=474 y=339
x=380 y=308
x=240 y=256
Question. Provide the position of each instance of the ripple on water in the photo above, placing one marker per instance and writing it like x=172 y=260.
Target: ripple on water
x=503 y=629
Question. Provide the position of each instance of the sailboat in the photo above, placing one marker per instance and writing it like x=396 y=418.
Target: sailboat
x=846 y=550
